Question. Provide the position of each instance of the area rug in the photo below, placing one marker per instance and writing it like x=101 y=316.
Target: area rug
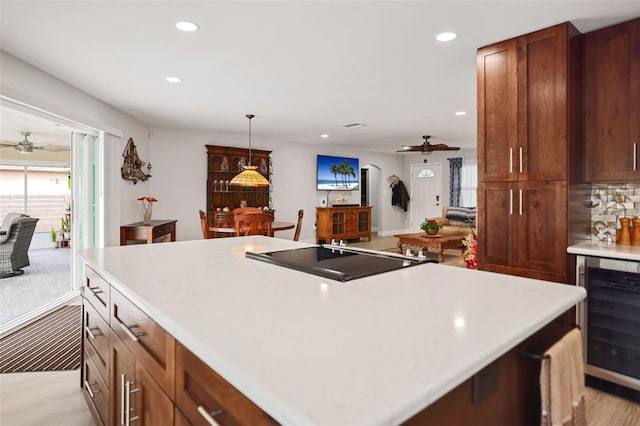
x=452 y=257
x=49 y=344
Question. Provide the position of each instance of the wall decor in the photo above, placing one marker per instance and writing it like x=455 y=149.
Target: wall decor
x=132 y=167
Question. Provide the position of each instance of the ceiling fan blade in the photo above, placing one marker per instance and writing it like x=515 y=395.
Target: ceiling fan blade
x=443 y=147
x=11 y=144
x=411 y=148
x=52 y=148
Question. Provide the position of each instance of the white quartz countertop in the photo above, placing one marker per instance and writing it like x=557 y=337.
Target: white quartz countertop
x=603 y=249
x=312 y=351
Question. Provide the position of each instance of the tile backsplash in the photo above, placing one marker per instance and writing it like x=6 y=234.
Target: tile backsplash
x=610 y=202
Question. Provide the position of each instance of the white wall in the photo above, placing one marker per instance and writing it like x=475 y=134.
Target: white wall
x=26 y=84
x=180 y=166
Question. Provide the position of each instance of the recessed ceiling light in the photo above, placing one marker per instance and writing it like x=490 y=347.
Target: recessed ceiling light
x=324 y=136
x=446 y=36
x=187 y=26
x=461 y=112
x=173 y=79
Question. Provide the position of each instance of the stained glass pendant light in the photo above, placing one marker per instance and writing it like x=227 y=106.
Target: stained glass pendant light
x=249 y=177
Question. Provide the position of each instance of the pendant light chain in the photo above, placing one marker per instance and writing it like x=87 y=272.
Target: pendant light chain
x=250 y=116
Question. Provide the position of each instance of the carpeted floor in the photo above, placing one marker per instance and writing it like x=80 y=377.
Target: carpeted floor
x=47 y=278
x=49 y=344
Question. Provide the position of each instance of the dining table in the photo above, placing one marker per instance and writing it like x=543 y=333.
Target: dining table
x=276 y=226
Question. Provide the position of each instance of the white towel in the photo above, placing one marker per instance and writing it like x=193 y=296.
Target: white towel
x=562 y=387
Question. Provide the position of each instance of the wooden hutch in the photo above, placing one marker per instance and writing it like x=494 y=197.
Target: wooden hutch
x=223 y=163
x=342 y=223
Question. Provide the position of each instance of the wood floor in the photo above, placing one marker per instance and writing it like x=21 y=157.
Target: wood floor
x=55 y=398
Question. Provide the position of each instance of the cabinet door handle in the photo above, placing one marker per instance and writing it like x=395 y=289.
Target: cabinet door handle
x=95 y=290
x=128 y=391
x=90 y=333
x=521 y=202
x=520 y=160
x=122 y=399
x=511 y=201
x=127 y=329
x=209 y=417
x=635 y=156
x=87 y=386
x=510 y=160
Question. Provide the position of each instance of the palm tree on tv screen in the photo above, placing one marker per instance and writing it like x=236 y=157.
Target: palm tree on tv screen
x=334 y=169
x=346 y=170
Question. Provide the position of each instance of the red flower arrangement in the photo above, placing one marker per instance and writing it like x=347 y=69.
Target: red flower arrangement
x=470 y=256
x=147 y=204
x=148 y=199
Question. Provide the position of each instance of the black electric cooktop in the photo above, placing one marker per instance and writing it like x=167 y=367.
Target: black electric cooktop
x=335 y=262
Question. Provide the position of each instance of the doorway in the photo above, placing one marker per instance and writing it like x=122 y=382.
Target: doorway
x=371 y=178
x=51 y=280
x=426 y=187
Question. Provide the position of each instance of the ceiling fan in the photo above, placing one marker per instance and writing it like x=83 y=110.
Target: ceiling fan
x=25 y=146
x=426 y=148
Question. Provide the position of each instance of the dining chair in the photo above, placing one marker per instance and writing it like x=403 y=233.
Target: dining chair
x=296 y=236
x=253 y=224
x=204 y=225
x=222 y=225
x=241 y=210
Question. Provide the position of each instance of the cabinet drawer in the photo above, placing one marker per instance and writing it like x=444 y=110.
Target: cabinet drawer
x=97 y=291
x=151 y=345
x=95 y=392
x=96 y=340
x=201 y=392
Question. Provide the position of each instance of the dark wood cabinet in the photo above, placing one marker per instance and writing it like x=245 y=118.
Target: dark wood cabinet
x=523 y=228
x=136 y=397
x=523 y=115
x=223 y=163
x=611 y=114
x=202 y=396
x=95 y=343
x=528 y=152
x=497 y=111
x=342 y=223
x=96 y=391
x=151 y=345
x=133 y=370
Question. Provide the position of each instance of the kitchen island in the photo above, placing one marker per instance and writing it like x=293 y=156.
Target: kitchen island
x=308 y=350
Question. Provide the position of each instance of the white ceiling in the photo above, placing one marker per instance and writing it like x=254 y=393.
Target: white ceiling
x=303 y=68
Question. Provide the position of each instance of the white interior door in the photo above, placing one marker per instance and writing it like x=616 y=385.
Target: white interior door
x=426 y=185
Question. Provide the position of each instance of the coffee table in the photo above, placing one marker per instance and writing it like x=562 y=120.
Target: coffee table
x=438 y=242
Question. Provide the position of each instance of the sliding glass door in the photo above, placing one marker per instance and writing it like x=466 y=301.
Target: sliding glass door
x=86 y=212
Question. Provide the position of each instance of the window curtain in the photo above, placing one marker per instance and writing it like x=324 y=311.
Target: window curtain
x=469 y=182
x=455 y=167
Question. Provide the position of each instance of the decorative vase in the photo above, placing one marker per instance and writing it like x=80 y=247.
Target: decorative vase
x=432 y=231
x=635 y=232
x=624 y=233
x=147 y=209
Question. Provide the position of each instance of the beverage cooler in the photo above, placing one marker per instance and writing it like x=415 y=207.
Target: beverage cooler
x=610 y=320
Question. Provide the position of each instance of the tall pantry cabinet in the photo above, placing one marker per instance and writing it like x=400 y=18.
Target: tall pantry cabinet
x=528 y=152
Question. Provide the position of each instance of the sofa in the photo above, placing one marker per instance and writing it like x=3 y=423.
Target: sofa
x=457 y=221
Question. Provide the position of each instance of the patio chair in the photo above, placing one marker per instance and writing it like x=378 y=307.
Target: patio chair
x=14 y=243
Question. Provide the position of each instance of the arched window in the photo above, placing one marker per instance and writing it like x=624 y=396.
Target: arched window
x=426 y=173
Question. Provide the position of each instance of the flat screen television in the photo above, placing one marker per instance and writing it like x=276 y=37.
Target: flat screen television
x=337 y=173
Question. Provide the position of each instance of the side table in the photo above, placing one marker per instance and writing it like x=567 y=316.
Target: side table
x=147 y=232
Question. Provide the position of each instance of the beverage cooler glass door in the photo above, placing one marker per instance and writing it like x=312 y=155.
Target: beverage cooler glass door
x=611 y=320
